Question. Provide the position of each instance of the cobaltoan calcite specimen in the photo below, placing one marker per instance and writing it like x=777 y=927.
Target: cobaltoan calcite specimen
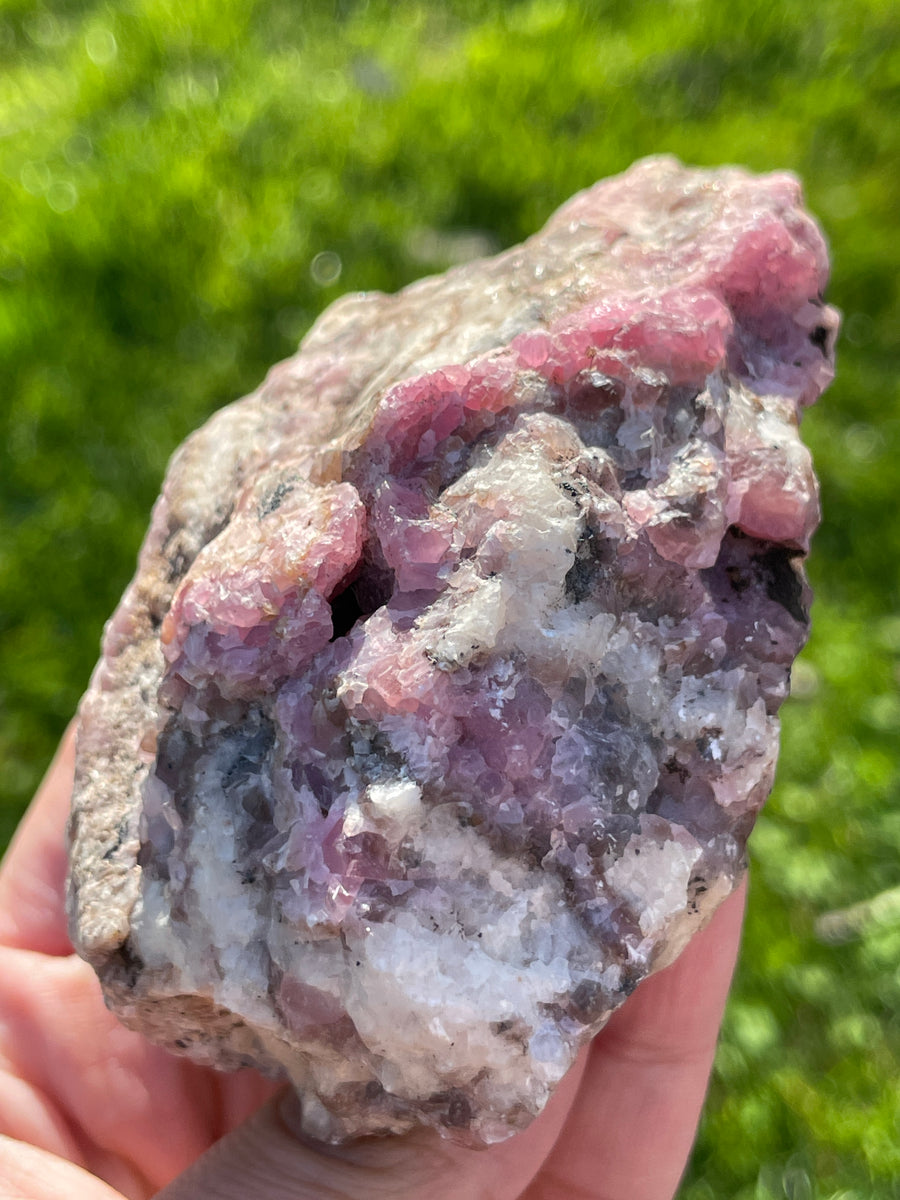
x=442 y=703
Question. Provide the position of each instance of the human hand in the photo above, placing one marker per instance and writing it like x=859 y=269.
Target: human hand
x=91 y=1111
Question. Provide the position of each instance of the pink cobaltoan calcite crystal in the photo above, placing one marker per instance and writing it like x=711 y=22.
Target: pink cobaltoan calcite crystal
x=443 y=700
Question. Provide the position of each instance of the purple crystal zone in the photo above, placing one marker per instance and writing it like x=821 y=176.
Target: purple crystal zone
x=443 y=701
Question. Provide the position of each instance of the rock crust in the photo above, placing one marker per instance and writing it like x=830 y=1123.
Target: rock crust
x=444 y=697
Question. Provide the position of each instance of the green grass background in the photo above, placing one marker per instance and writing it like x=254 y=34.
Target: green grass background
x=168 y=173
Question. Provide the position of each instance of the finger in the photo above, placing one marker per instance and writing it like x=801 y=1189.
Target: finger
x=636 y=1114
x=81 y=1085
x=27 y=1173
x=33 y=873
x=267 y=1157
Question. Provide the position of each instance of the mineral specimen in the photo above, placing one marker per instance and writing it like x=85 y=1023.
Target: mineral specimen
x=443 y=700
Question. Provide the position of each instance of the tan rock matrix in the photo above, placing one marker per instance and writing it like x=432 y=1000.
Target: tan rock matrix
x=444 y=697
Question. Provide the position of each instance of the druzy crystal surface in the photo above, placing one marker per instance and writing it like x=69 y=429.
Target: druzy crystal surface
x=444 y=698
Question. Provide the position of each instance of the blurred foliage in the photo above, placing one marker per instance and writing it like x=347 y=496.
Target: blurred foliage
x=185 y=184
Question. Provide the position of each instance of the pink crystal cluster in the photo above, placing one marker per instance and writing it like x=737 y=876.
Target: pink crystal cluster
x=444 y=698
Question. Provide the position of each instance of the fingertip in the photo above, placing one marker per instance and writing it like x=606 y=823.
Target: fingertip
x=648 y=1071
x=676 y=1012
x=33 y=871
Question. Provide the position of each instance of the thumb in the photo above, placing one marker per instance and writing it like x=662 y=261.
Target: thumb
x=268 y=1158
